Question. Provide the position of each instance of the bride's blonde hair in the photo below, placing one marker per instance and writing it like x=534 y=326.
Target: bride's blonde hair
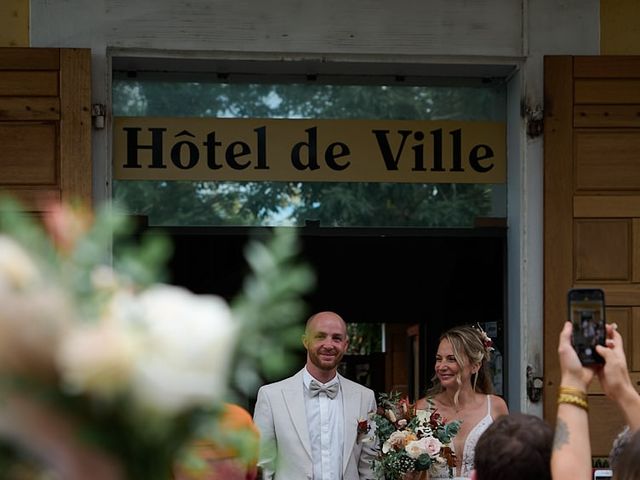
x=468 y=345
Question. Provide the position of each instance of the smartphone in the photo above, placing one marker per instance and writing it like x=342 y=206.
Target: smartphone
x=587 y=314
x=602 y=474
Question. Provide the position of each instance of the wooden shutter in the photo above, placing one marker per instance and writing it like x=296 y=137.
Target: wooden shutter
x=45 y=125
x=592 y=210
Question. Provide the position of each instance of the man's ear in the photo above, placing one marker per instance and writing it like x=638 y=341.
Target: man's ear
x=474 y=475
x=305 y=341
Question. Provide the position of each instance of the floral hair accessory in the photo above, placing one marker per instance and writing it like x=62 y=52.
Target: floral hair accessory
x=486 y=340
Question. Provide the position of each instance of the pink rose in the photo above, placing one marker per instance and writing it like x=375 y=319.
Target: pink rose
x=432 y=446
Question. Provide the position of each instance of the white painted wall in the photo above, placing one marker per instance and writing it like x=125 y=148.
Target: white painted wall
x=428 y=32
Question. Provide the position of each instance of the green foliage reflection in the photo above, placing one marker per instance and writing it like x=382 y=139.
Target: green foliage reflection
x=294 y=203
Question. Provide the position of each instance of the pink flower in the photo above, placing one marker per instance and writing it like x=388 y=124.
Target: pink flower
x=432 y=446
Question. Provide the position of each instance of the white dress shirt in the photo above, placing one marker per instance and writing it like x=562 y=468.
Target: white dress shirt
x=325 y=419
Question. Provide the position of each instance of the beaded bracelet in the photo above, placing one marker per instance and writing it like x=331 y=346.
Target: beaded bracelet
x=573 y=391
x=573 y=400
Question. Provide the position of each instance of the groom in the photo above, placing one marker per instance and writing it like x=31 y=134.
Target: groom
x=312 y=417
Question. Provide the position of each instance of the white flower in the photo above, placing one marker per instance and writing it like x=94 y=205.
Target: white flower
x=415 y=448
x=187 y=344
x=396 y=441
x=422 y=416
x=97 y=358
x=104 y=278
x=17 y=269
x=32 y=323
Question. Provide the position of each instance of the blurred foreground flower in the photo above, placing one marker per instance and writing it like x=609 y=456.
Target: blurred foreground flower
x=107 y=373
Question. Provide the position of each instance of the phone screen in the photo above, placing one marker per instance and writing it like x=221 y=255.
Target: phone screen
x=586 y=313
x=602 y=474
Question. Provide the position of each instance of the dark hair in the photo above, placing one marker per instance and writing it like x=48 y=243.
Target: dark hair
x=618 y=446
x=467 y=343
x=628 y=466
x=515 y=447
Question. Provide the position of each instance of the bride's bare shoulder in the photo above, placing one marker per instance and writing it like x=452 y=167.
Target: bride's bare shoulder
x=424 y=403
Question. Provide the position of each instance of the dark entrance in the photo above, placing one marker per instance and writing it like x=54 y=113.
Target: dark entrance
x=433 y=278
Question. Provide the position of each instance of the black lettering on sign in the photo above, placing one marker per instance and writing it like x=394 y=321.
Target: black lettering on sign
x=332 y=153
x=192 y=152
x=475 y=157
x=133 y=146
x=311 y=145
x=390 y=160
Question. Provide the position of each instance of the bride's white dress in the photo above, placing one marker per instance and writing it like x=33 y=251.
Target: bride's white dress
x=468 y=454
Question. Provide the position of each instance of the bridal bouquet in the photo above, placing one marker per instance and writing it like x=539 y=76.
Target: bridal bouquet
x=410 y=440
x=108 y=373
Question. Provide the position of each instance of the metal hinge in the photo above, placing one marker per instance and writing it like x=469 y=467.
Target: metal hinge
x=534 y=385
x=98 y=113
x=535 y=121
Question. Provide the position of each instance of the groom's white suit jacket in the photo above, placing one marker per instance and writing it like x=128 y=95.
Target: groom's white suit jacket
x=281 y=418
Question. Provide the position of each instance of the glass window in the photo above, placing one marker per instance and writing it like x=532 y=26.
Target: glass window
x=200 y=203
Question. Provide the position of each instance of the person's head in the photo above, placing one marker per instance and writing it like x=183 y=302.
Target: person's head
x=618 y=446
x=514 y=447
x=325 y=339
x=627 y=466
x=462 y=359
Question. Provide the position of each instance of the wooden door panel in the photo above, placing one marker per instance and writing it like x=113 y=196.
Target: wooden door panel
x=29 y=153
x=632 y=342
x=611 y=206
x=45 y=125
x=29 y=83
x=622 y=318
x=605 y=422
x=396 y=371
x=606 y=116
x=34 y=199
x=602 y=91
x=624 y=294
x=635 y=250
x=596 y=389
x=30 y=108
x=29 y=59
x=610 y=66
x=558 y=215
x=602 y=250
x=592 y=140
x=607 y=160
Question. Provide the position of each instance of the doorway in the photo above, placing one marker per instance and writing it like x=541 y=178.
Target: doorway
x=416 y=283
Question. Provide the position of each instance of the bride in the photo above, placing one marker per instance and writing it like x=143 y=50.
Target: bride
x=462 y=391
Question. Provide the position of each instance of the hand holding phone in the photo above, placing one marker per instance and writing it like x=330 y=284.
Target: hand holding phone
x=587 y=315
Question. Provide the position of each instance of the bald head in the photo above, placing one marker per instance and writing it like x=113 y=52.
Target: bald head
x=313 y=319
